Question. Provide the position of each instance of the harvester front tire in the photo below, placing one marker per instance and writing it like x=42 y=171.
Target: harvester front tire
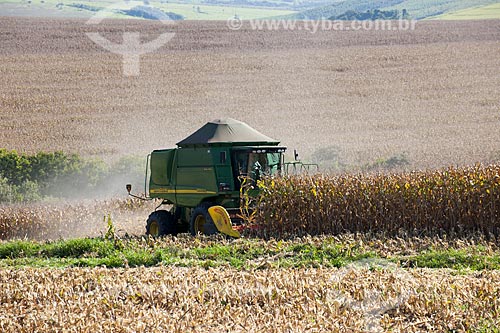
x=201 y=221
x=160 y=223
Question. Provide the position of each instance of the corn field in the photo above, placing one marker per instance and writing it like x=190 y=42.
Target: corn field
x=176 y=299
x=454 y=201
x=90 y=109
x=69 y=220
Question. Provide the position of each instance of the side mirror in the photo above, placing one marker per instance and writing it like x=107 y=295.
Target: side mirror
x=129 y=188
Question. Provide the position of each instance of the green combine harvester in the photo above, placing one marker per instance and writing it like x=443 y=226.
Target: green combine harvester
x=201 y=179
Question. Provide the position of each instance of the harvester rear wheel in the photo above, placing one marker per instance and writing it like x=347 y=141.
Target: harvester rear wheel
x=160 y=223
x=201 y=221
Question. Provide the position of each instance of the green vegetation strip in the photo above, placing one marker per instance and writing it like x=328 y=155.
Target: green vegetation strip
x=244 y=253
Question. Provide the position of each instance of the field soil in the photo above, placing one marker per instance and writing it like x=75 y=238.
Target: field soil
x=431 y=94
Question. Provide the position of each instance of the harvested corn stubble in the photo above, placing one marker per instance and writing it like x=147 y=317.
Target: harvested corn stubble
x=177 y=299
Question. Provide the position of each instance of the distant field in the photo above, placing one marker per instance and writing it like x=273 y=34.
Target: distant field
x=430 y=95
x=251 y=9
x=417 y=9
x=474 y=13
x=209 y=12
x=48 y=8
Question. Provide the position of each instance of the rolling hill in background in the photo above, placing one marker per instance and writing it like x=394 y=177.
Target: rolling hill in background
x=255 y=9
x=417 y=9
x=192 y=10
x=482 y=12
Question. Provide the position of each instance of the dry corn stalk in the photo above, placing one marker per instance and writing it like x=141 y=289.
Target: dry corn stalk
x=456 y=201
x=69 y=220
x=174 y=299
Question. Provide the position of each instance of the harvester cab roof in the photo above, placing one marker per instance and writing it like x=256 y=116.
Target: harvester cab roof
x=227 y=132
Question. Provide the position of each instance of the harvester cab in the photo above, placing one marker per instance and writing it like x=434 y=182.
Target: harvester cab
x=202 y=178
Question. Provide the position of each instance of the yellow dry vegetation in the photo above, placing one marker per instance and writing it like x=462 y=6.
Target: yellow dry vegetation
x=176 y=299
x=456 y=201
x=86 y=218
